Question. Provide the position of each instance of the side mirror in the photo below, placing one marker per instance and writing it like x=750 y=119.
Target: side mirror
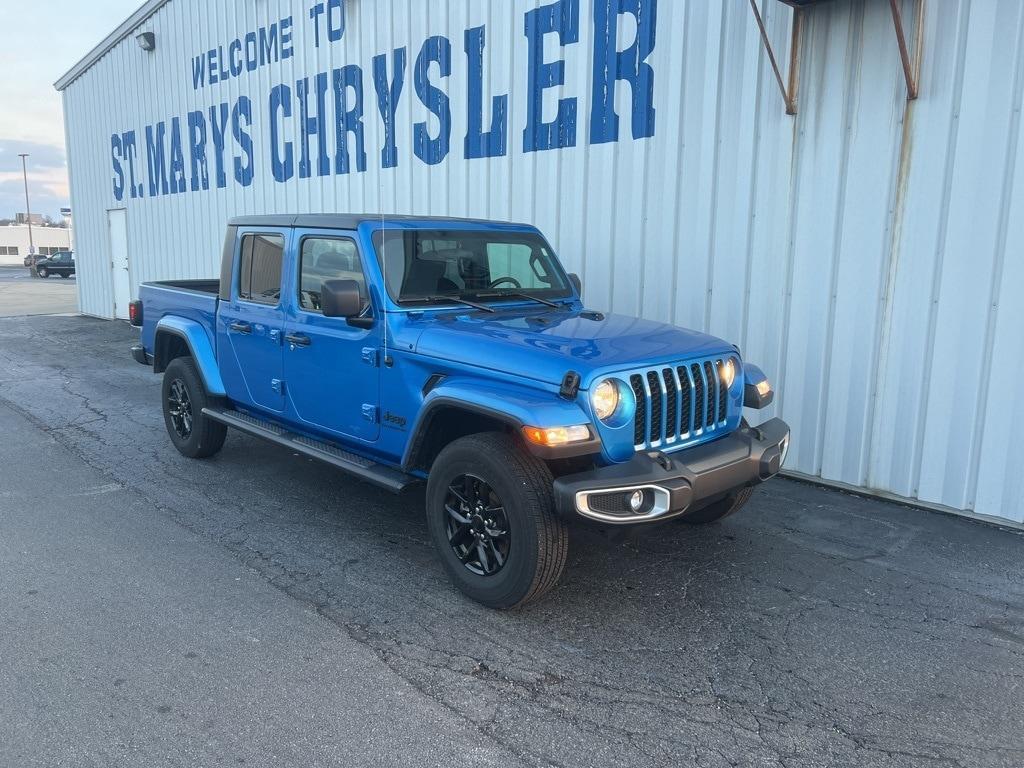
x=576 y=283
x=340 y=298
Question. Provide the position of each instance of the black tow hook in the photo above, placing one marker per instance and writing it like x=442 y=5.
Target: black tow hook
x=663 y=460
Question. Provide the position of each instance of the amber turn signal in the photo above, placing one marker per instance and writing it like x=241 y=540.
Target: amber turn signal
x=553 y=436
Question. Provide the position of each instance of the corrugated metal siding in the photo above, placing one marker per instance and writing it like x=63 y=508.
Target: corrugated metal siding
x=865 y=253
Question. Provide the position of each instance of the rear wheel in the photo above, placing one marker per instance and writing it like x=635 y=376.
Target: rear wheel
x=43 y=272
x=720 y=509
x=491 y=516
x=184 y=397
x=65 y=274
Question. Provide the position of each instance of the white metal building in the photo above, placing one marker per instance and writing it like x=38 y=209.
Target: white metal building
x=866 y=251
x=15 y=242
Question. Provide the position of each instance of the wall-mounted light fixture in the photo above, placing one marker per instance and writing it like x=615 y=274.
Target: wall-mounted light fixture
x=146 y=40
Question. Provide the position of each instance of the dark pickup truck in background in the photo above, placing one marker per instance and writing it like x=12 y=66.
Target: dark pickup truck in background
x=62 y=263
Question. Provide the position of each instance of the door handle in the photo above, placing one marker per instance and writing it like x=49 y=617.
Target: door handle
x=240 y=327
x=298 y=340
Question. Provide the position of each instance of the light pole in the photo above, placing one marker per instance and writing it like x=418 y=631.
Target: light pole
x=28 y=209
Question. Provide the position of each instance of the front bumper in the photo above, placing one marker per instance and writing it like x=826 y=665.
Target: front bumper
x=677 y=484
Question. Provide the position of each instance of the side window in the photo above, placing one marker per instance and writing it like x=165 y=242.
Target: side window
x=327 y=258
x=259 y=271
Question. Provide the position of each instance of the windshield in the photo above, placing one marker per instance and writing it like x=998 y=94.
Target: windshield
x=423 y=266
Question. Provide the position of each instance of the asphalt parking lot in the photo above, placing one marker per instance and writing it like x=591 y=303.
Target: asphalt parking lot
x=21 y=294
x=260 y=609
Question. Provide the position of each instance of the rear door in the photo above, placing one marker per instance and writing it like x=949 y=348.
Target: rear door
x=331 y=366
x=250 y=324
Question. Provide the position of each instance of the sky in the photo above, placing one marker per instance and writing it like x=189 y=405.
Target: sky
x=43 y=40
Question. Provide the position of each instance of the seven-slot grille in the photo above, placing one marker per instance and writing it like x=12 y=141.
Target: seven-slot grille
x=679 y=402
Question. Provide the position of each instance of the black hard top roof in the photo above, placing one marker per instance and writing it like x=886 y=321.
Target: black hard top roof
x=348 y=220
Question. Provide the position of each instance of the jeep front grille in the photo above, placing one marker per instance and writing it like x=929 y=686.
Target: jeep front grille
x=680 y=402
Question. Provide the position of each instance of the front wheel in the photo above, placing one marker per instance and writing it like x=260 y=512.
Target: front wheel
x=184 y=397
x=65 y=274
x=43 y=272
x=491 y=516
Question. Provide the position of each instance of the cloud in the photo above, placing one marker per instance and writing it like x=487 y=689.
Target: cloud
x=43 y=156
x=47 y=177
x=45 y=198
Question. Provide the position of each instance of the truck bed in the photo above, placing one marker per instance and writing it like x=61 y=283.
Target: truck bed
x=210 y=285
x=190 y=299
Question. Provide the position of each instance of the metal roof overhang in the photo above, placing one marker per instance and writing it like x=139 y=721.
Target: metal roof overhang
x=132 y=23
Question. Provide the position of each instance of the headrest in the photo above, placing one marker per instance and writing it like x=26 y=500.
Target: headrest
x=448 y=255
x=335 y=260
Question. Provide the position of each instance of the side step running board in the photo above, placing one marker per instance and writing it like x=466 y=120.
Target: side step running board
x=392 y=479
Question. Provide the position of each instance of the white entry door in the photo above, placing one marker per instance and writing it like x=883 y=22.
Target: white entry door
x=117 y=221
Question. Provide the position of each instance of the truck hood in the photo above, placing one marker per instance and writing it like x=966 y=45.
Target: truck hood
x=544 y=345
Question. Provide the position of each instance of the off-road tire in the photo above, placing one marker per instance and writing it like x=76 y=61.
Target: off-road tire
x=43 y=272
x=206 y=436
x=539 y=541
x=720 y=509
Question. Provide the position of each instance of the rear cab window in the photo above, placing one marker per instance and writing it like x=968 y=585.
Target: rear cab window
x=260 y=265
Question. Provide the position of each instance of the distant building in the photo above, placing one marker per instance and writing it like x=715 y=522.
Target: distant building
x=14 y=242
x=35 y=218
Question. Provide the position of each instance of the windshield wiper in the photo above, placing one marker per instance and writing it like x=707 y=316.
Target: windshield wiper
x=526 y=296
x=457 y=300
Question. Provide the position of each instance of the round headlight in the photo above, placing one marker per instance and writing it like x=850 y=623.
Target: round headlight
x=728 y=373
x=605 y=399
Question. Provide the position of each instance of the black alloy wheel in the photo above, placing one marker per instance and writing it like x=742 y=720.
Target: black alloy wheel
x=492 y=519
x=179 y=407
x=184 y=396
x=477 y=526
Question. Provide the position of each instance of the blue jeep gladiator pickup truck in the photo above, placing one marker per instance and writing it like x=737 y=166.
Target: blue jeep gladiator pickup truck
x=458 y=354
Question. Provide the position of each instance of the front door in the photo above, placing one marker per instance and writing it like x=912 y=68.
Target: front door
x=331 y=366
x=117 y=230
x=250 y=323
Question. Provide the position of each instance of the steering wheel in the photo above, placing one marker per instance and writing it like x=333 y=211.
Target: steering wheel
x=500 y=280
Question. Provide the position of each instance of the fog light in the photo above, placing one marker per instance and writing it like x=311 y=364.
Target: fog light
x=636 y=501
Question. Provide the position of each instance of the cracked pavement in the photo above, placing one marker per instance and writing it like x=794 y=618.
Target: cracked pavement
x=816 y=628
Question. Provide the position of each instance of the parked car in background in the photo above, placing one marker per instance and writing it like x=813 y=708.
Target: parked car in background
x=62 y=264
